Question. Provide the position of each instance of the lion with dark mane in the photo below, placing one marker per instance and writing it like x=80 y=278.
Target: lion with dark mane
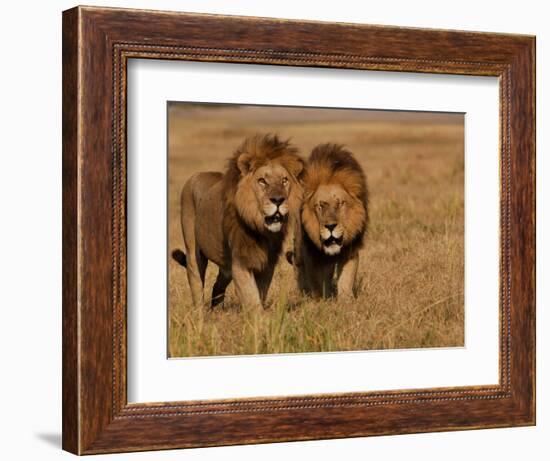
x=334 y=220
x=239 y=219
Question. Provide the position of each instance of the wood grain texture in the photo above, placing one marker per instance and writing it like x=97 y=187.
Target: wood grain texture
x=70 y=384
x=97 y=42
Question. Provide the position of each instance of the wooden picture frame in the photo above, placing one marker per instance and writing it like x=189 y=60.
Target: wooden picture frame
x=97 y=43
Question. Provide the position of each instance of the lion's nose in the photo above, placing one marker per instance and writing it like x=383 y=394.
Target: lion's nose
x=277 y=200
x=330 y=227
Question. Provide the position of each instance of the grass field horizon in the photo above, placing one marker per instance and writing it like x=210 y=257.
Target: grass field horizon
x=411 y=271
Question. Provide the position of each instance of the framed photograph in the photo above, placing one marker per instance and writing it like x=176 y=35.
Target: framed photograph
x=281 y=230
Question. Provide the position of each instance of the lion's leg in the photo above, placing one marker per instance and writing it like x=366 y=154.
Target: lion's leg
x=346 y=274
x=315 y=280
x=263 y=281
x=196 y=262
x=245 y=285
x=196 y=269
x=304 y=281
x=318 y=283
x=322 y=280
x=218 y=291
x=202 y=264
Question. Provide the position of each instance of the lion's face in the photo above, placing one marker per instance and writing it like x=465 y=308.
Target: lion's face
x=332 y=218
x=262 y=196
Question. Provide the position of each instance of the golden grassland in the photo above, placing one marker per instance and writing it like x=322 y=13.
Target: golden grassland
x=411 y=273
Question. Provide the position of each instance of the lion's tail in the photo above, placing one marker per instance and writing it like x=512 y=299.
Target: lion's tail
x=179 y=257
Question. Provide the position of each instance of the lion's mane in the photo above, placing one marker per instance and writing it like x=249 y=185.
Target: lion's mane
x=333 y=164
x=242 y=221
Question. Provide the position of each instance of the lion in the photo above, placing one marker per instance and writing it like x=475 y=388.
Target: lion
x=239 y=219
x=333 y=224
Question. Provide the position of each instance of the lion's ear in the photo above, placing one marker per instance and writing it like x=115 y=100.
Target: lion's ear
x=244 y=163
x=295 y=166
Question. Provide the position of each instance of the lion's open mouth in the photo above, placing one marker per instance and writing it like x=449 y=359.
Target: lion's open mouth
x=333 y=245
x=333 y=241
x=274 y=223
x=274 y=219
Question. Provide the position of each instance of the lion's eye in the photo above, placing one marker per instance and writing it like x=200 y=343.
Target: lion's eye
x=262 y=182
x=285 y=181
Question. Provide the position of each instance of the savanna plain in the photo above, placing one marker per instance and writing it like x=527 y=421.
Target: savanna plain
x=410 y=291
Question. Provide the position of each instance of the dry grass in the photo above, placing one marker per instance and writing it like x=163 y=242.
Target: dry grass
x=411 y=291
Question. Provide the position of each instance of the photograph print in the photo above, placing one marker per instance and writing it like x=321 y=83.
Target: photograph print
x=301 y=229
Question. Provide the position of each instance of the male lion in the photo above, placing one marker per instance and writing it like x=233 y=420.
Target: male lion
x=334 y=221
x=239 y=219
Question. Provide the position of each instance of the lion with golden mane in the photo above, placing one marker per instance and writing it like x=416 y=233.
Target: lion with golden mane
x=239 y=219
x=334 y=220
